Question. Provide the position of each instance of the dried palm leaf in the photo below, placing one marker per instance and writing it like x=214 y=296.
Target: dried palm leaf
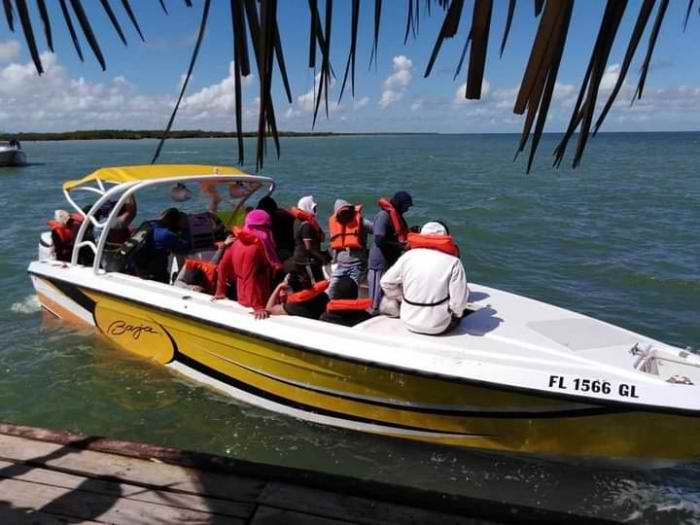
x=481 y=23
x=43 y=12
x=509 y=21
x=132 y=17
x=71 y=29
x=112 y=18
x=660 y=14
x=26 y=23
x=7 y=5
x=193 y=60
x=87 y=31
x=350 y=65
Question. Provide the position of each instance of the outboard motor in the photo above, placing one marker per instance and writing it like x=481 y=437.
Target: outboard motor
x=47 y=251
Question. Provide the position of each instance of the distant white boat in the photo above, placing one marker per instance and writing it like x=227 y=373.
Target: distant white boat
x=11 y=154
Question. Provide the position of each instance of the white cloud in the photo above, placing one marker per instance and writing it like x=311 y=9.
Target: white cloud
x=56 y=102
x=418 y=104
x=306 y=102
x=460 y=94
x=9 y=49
x=396 y=84
x=359 y=104
x=612 y=73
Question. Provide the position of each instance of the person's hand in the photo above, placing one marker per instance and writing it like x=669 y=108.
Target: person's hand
x=229 y=240
x=261 y=314
x=218 y=297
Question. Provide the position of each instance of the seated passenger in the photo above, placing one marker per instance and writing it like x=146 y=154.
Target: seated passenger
x=430 y=282
x=297 y=295
x=250 y=264
x=308 y=237
x=163 y=241
x=120 y=231
x=348 y=240
x=64 y=228
x=344 y=307
x=282 y=227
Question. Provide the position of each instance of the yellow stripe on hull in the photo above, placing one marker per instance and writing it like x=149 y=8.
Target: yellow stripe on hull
x=365 y=393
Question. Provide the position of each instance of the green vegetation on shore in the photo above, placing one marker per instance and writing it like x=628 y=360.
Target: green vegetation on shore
x=138 y=134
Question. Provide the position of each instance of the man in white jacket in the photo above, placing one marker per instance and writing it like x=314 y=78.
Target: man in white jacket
x=431 y=285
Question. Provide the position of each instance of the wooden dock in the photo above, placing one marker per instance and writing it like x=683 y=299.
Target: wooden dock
x=58 y=477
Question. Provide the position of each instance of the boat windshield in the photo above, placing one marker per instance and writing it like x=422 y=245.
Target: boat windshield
x=207 y=207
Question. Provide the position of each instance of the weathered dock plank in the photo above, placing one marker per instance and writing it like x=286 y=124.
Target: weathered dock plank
x=56 y=477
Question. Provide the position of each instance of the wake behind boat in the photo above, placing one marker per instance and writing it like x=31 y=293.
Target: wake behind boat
x=517 y=374
x=11 y=154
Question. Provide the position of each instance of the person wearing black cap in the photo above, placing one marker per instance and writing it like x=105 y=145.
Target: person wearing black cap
x=390 y=234
x=345 y=308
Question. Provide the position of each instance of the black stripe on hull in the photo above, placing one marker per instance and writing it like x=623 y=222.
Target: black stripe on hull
x=522 y=414
x=240 y=385
x=598 y=403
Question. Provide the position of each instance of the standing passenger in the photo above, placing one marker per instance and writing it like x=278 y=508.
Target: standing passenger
x=390 y=233
x=282 y=226
x=308 y=237
x=348 y=240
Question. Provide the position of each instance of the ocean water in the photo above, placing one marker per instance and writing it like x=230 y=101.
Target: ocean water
x=617 y=239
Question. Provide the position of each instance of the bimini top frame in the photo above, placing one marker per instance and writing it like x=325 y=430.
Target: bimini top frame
x=131 y=179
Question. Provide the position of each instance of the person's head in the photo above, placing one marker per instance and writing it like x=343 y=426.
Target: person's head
x=171 y=219
x=298 y=279
x=344 y=211
x=345 y=288
x=308 y=204
x=61 y=216
x=180 y=193
x=258 y=219
x=402 y=201
x=268 y=204
x=433 y=228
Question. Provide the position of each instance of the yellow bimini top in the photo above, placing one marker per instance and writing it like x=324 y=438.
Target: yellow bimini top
x=123 y=174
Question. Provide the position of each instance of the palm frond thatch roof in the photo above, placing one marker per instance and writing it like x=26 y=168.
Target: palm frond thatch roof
x=255 y=30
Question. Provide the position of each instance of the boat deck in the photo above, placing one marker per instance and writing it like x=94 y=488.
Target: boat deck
x=56 y=477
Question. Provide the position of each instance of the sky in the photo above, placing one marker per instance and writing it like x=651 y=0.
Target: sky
x=142 y=80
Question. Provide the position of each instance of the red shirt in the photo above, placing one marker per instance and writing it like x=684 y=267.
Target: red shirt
x=246 y=265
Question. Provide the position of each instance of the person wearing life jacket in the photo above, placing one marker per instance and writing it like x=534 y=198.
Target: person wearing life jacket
x=152 y=245
x=308 y=237
x=282 y=226
x=430 y=282
x=120 y=231
x=345 y=308
x=348 y=241
x=298 y=295
x=250 y=264
x=390 y=236
x=64 y=228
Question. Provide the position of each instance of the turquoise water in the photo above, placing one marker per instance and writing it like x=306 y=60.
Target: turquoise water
x=616 y=239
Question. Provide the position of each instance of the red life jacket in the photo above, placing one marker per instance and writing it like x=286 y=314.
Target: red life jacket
x=349 y=305
x=441 y=243
x=64 y=232
x=208 y=269
x=346 y=235
x=397 y=221
x=305 y=216
x=308 y=294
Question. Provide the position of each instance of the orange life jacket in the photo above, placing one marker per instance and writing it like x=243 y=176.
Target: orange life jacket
x=348 y=305
x=308 y=294
x=397 y=221
x=441 y=243
x=208 y=269
x=346 y=235
x=305 y=216
x=64 y=232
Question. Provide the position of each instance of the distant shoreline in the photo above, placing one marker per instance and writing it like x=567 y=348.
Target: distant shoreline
x=127 y=134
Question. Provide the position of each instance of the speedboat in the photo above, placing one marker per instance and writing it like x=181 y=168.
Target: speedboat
x=11 y=154
x=518 y=375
